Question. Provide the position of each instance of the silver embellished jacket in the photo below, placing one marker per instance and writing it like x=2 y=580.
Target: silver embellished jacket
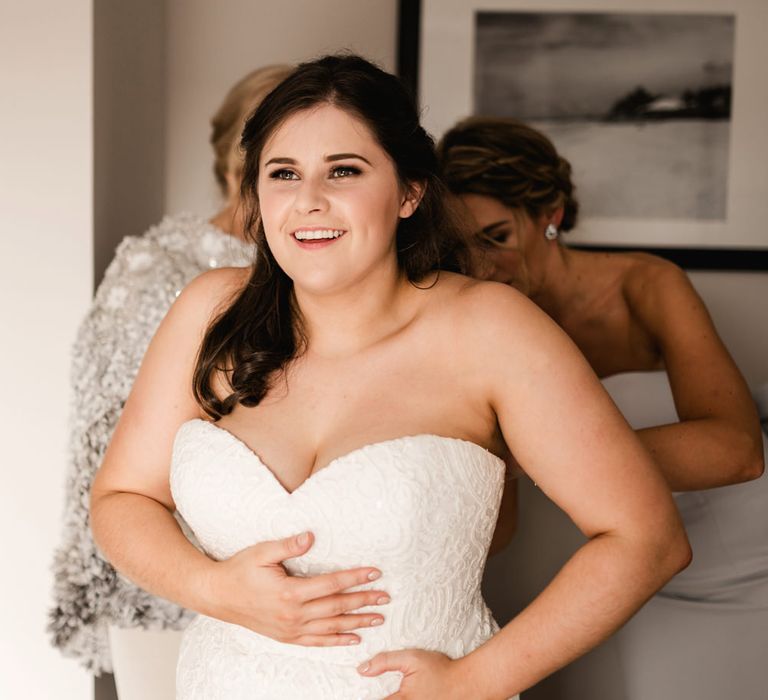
x=139 y=286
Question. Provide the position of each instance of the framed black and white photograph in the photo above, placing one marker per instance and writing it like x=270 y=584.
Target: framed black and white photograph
x=659 y=106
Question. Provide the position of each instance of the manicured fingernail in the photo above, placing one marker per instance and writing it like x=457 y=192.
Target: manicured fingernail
x=383 y=600
x=377 y=621
x=303 y=539
x=354 y=640
x=363 y=668
x=374 y=575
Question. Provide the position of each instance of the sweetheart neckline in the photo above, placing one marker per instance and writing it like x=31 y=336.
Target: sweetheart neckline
x=341 y=458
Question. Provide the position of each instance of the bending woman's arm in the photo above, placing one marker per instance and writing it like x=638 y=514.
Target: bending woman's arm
x=132 y=507
x=571 y=440
x=717 y=441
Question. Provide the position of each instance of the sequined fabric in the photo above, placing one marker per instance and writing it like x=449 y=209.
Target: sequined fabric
x=146 y=275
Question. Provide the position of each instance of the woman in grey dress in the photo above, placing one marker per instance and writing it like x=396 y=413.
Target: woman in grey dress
x=704 y=635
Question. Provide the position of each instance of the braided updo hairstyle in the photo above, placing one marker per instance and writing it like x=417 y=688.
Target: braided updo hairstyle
x=509 y=161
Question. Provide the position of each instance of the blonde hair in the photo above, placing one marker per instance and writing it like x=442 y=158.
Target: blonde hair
x=227 y=124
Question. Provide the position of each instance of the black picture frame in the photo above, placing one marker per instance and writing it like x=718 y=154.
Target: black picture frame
x=692 y=258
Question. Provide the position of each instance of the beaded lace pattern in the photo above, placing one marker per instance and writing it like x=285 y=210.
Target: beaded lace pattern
x=421 y=508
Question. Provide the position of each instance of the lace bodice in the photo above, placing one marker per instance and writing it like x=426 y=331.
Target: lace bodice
x=420 y=508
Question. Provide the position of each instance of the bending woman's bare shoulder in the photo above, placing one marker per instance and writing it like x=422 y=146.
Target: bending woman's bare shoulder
x=648 y=280
x=663 y=301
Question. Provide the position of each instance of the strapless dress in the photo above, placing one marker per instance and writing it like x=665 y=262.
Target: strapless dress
x=420 y=508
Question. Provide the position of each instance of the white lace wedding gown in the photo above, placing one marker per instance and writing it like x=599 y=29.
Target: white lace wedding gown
x=420 y=508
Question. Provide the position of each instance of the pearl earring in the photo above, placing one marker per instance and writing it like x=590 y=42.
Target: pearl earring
x=551 y=232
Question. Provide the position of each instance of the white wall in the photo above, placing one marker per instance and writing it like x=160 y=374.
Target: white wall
x=211 y=45
x=46 y=193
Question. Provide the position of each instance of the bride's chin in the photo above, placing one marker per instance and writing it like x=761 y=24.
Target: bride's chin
x=319 y=286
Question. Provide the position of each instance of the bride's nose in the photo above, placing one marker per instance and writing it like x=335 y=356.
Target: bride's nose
x=310 y=197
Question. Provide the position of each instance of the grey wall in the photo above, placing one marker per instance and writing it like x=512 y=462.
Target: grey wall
x=129 y=76
x=129 y=121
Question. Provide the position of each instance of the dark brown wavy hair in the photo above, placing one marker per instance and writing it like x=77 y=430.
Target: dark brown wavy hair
x=509 y=161
x=261 y=331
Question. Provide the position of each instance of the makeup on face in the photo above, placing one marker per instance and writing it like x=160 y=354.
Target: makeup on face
x=329 y=198
x=316 y=237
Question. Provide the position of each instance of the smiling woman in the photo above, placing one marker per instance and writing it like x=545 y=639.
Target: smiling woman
x=303 y=178
x=354 y=388
x=315 y=202
x=319 y=234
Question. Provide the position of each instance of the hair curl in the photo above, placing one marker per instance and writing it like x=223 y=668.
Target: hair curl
x=261 y=331
x=509 y=161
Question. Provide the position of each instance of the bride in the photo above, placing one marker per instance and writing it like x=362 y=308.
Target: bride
x=353 y=387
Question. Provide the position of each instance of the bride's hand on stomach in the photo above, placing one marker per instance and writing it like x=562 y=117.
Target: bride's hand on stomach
x=253 y=589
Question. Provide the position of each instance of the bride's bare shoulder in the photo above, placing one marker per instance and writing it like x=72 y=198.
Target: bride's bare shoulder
x=494 y=321
x=209 y=294
x=487 y=304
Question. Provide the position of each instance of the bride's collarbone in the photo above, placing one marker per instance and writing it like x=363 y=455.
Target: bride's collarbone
x=321 y=409
x=299 y=439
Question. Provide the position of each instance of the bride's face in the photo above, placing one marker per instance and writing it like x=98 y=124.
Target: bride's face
x=330 y=200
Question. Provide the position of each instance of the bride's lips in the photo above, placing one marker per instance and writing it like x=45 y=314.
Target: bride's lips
x=315 y=237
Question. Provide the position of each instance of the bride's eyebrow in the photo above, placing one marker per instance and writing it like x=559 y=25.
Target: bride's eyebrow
x=328 y=159
x=346 y=156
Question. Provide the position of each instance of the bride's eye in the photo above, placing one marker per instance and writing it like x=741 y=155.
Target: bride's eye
x=283 y=174
x=344 y=171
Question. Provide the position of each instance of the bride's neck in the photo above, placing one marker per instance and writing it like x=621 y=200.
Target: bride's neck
x=340 y=324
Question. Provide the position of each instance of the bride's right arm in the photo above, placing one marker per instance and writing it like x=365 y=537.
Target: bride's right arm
x=132 y=506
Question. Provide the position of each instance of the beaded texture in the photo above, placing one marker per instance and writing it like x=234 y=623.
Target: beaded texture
x=421 y=508
x=147 y=273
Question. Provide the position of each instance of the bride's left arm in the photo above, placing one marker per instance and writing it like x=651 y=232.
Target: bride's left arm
x=572 y=441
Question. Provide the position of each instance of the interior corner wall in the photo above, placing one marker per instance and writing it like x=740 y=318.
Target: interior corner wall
x=129 y=121
x=211 y=45
x=46 y=198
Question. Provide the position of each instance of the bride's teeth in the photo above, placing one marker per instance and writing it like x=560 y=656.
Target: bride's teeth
x=314 y=235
